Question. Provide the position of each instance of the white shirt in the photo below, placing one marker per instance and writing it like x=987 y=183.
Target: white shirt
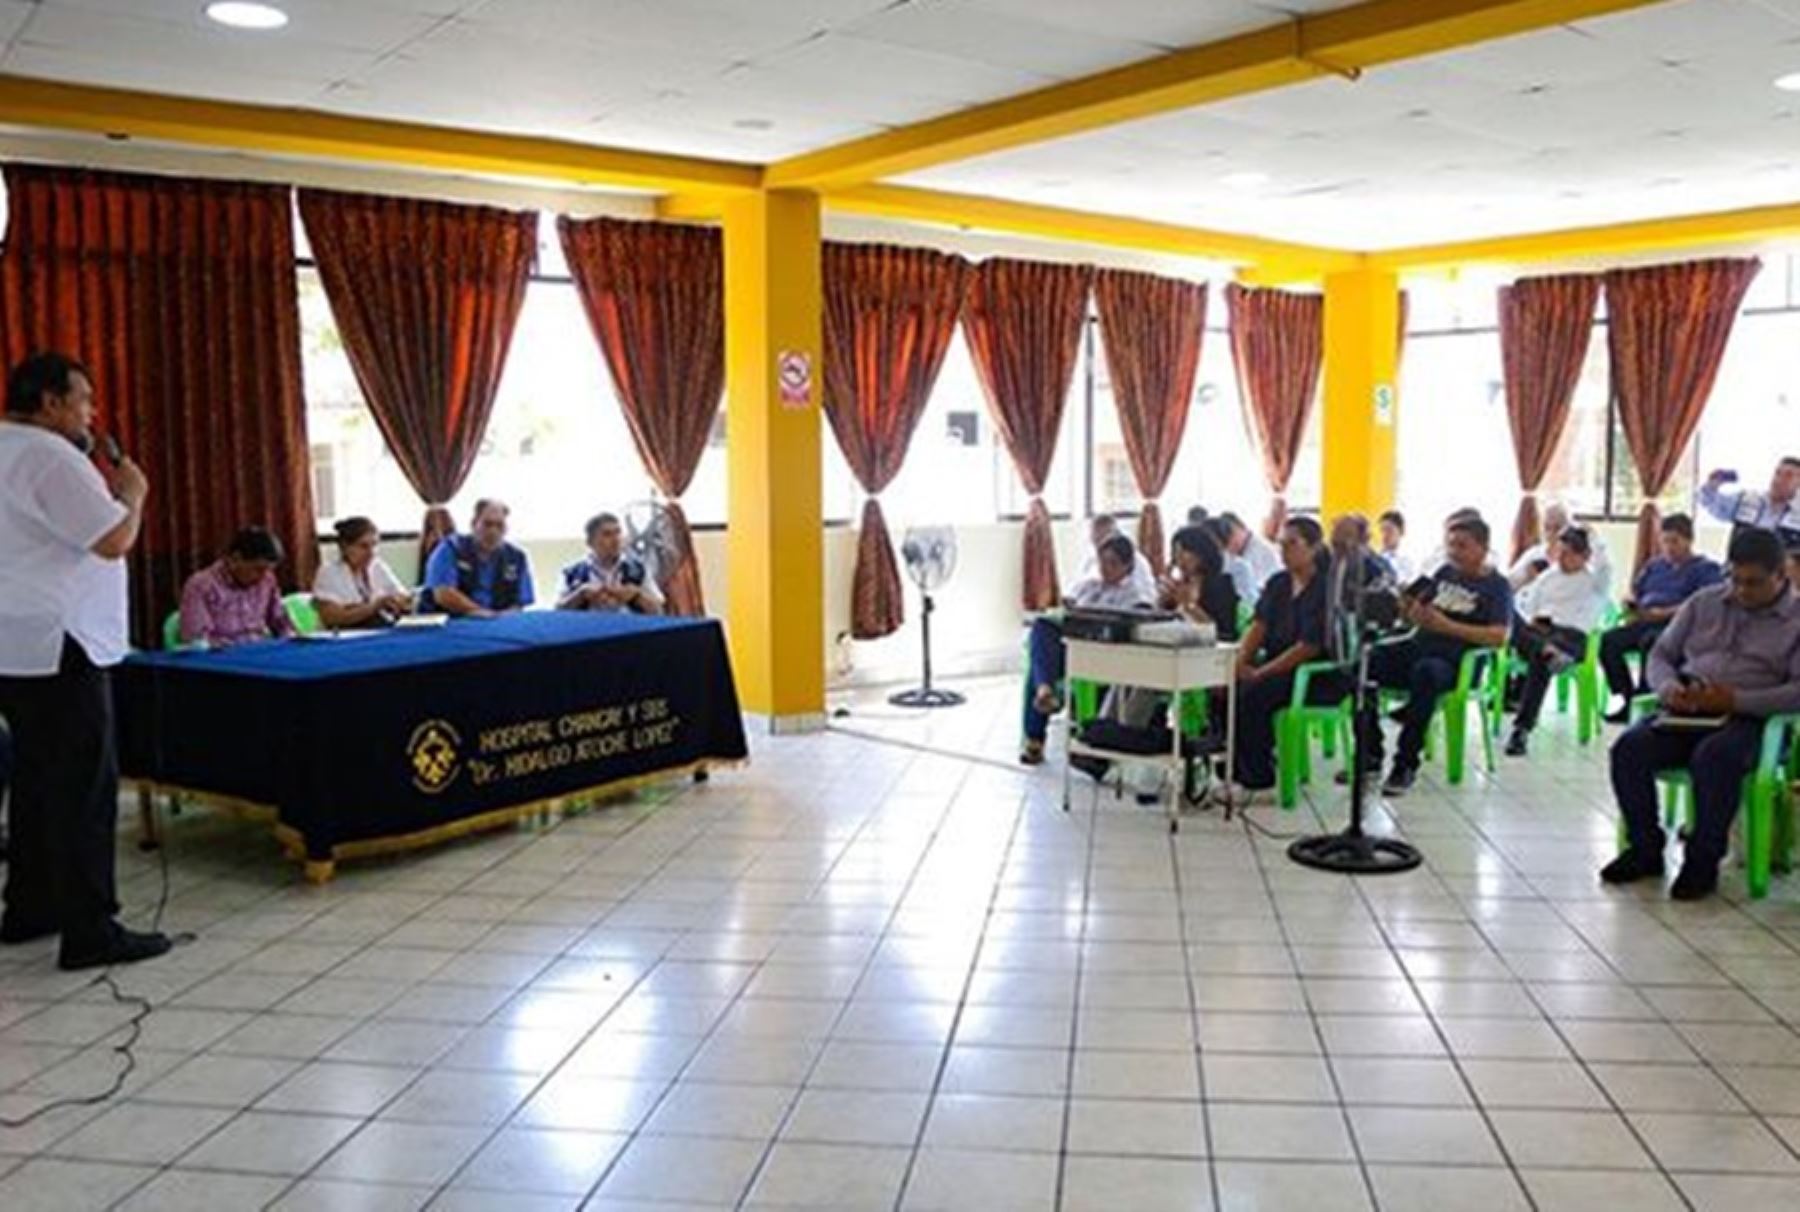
x=338 y=584
x=1405 y=569
x=1123 y=596
x=1263 y=559
x=1568 y=599
x=54 y=506
x=1142 y=579
x=1599 y=562
x=1243 y=578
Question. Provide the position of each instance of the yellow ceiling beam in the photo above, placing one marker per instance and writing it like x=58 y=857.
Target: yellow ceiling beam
x=1748 y=226
x=1342 y=42
x=297 y=132
x=1084 y=227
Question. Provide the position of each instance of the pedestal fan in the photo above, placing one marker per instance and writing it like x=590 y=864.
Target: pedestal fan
x=930 y=555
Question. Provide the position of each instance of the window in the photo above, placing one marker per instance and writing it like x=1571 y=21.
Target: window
x=1454 y=447
x=557 y=447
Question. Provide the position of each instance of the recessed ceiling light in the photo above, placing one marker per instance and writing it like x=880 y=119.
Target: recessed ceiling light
x=1244 y=180
x=245 y=14
x=754 y=124
x=1789 y=83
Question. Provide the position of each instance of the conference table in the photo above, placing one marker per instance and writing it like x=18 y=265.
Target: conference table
x=370 y=743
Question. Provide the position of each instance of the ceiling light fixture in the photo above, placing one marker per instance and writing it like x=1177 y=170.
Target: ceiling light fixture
x=1789 y=83
x=246 y=14
x=1247 y=180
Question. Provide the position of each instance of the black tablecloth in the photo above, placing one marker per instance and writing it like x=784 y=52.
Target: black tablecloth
x=371 y=743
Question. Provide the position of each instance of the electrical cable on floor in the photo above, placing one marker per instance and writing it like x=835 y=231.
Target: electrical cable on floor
x=133 y=1027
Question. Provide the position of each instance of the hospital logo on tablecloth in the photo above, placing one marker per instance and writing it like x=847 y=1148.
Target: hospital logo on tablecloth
x=432 y=754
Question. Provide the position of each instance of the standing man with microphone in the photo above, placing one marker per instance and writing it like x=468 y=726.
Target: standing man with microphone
x=64 y=534
x=1778 y=509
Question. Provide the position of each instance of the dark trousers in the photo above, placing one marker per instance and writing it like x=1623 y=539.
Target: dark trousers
x=1046 y=661
x=65 y=799
x=1253 y=756
x=1540 y=647
x=1425 y=675
x=1616 y=644
x=1717 y=761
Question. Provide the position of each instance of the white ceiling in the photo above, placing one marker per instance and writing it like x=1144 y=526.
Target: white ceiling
x=666 y=75
x=1664 y=110
x=1661 y=111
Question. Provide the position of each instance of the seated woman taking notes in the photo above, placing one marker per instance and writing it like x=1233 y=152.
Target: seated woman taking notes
x=360 y=590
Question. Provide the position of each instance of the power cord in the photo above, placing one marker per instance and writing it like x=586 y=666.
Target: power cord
x=133 y=1027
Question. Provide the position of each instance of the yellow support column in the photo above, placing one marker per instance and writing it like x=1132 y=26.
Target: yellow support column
x=776 y=537
x=1362 y=348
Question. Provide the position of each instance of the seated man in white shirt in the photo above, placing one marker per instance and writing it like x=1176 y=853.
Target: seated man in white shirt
x=1101 y=527
x=1112 y=589
x=1556 y=612
x=1393 y=534
x=359 y=590
x=608 y=579
x=1540 y=557
x=1259 y=557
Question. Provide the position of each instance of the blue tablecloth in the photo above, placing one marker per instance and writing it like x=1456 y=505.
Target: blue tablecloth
x=369 y=743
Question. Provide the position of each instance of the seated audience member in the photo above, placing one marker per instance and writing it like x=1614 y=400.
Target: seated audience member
x=1393 y=534
x=1252 y=548
x=1243 y=577
x=1197 y=586
x=1540 y=557
x=235 y=600
x=1197 y=515
x=360 y=590
x=1102 y=527
x=1732 y=653
x=1350 y=550
x=1290 y=629
x=1778 y=509
x=1439 y=557
x=480 y=574
x=1466 y=605
x=1112 y=588
x=1555 y=614
x=1665 y=583
x=607 y=578
x=1793 y=568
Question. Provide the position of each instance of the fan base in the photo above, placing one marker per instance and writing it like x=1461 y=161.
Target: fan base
x=1355 y=853
x=926 y=697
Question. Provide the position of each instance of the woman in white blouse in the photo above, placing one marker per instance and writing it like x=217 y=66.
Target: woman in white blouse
x=360 y=590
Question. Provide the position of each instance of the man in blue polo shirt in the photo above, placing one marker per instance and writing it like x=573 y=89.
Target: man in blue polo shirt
x=1658 y=592
x=480 y=574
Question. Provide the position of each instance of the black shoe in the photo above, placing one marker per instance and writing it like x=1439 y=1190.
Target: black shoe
x=121 y=946
x=1400 y=780
x=1621 y=716
x=1632 y=866
x=17 y=930
x=1518 y=743
x=1697 y=880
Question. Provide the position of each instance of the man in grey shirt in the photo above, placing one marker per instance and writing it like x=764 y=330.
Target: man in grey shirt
x=1732 y=652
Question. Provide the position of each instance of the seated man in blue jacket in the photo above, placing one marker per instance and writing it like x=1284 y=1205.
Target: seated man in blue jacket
x=479 y=574
x=1732 y=654
x=1656 y=594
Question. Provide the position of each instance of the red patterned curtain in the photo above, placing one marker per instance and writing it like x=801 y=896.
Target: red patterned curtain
x=889 y=314
x=1151 y=330
x=1667 y=327
x=655 y=296
x=180 y=297
x=426 y=296
x=1277 y=346
x=1023 y=323
x=1545 y=324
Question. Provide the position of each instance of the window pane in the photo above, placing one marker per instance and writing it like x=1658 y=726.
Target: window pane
x=949 y=475
x=1577 y=474
x=1454 y=447
x=557 y=447
x=1753 y=418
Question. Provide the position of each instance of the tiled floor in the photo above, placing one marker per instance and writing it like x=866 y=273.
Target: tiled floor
x=861 y=974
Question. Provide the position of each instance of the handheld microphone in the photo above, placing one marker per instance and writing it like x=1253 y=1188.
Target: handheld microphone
x=109 y=447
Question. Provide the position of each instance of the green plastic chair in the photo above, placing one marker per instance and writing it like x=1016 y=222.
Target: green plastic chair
x=1295 y=727
x=1478 y=683
x=171 y=635
x=302 y=613
x=1766 y=803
